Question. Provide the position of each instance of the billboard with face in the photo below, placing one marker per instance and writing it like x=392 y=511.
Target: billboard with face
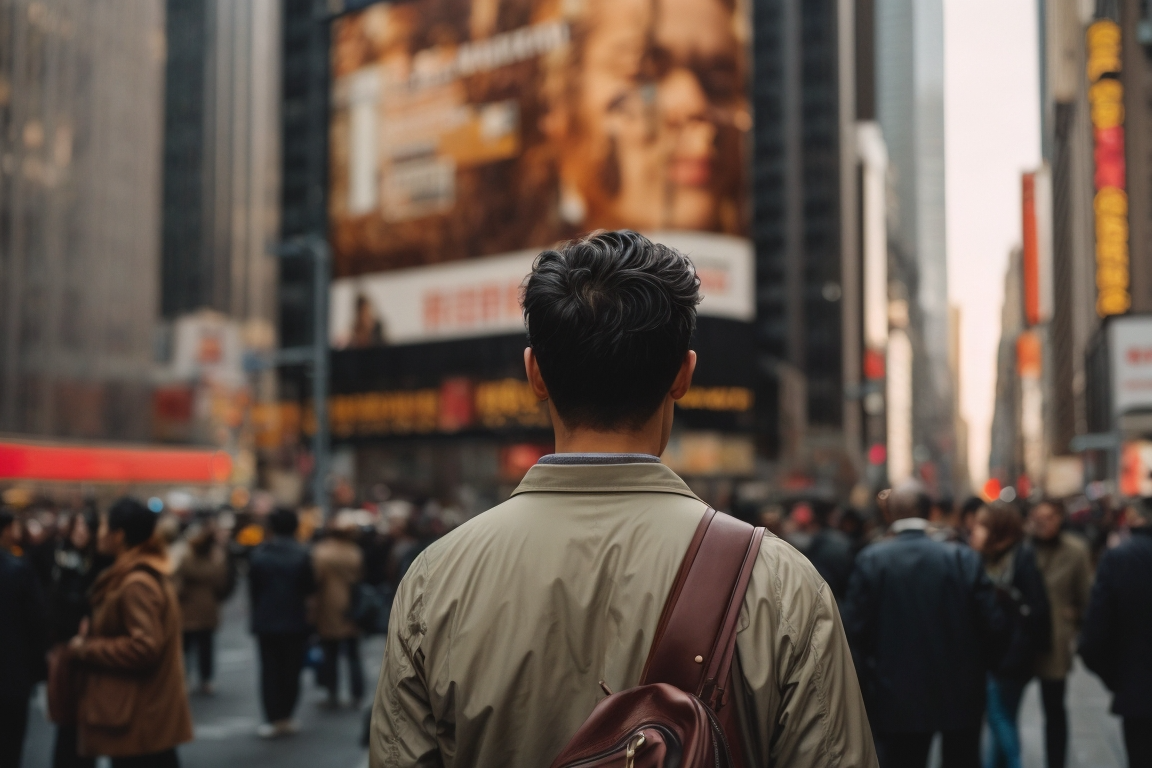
x=467 y=128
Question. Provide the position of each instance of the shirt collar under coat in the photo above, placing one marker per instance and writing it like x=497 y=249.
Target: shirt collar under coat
x=603 y=478
x=916 y=524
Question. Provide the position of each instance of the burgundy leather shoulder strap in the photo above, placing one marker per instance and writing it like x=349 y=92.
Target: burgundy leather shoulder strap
x=696 y=637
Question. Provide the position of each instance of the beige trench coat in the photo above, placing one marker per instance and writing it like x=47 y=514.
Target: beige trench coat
x=200 y=580
x=501 y=630
x=338 y=565
x=1067 y=573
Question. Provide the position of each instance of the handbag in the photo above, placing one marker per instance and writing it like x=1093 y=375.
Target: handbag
x=64 y=681
x=676 y=716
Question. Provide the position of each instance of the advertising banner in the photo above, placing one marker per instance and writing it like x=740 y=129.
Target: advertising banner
x=481 y=297
x=464 y=129
x=1131 y=343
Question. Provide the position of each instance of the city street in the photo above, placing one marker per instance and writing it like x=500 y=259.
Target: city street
x=226 y=723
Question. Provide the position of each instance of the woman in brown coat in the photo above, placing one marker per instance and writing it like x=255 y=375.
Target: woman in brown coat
x=201 y=580
x=133 y=707
x=338 y=564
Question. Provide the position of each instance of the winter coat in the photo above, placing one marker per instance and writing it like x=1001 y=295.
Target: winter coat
x=200 y=582
x=23 y=631
x=925 y=627
x=1067 y=572
x=133 y=700
x=1116 y=642
x=339 y=566
x=72 y=575
x=831 y=553
x=279 y=581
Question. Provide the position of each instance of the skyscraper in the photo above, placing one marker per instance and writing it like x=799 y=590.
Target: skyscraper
x=909 y=45
x=804 y=228
x=81 y=121
x=221 y=157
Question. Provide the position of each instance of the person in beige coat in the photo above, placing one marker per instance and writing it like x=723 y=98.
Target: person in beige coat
x=133 y=706
x=503 y=632
x=338 y=564
x=201 y=580
x=1065 y=565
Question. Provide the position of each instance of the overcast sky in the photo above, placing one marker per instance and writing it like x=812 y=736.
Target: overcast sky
x=992 y=125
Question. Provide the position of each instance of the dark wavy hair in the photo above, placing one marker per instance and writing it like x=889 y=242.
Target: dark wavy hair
x=610 y=318
x=131 y=516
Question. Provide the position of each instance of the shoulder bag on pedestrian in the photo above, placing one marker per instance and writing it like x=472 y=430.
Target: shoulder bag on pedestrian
x=675 y=716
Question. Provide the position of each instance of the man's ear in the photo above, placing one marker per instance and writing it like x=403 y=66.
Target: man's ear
x=684 y=378
x=535 y=379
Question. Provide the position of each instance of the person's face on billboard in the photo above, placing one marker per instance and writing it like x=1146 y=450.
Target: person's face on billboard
x=658 y=79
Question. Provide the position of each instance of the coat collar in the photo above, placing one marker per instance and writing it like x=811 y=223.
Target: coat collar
x=149 y=555
x=603 y=478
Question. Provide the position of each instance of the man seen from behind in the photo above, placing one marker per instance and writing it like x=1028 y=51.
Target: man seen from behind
x=502 y=631
x=1116 y=642
x=925 y=628
x=280 y=579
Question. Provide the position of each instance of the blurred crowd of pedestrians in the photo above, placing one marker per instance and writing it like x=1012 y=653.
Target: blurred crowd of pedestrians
x=117 y=612
x=950 y=610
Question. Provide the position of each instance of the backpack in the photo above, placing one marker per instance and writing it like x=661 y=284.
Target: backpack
x=673 y=717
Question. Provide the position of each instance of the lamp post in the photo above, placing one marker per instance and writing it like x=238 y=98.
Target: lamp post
x=315 y=248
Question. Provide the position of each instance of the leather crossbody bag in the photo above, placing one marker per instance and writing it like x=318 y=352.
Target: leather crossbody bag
x=676 y=716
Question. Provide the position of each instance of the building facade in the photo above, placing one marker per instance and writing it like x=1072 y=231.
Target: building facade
x=81 y=132
x=909 y=62
x=221 y=158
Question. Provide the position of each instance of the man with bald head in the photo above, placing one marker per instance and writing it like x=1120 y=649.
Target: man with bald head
x=924 y=626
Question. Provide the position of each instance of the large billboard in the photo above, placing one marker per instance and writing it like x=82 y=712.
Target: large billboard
x=475 y=128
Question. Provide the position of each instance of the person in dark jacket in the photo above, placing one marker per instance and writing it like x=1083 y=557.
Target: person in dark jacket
x=1116 y=642
x=23 y=641
x=280 y=579
x=924 y=624
x=827 y=548
x=75 y=568
x=998 y=535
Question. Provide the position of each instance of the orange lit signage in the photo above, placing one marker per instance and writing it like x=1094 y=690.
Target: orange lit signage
x=1028 y=355
x=1106 y=97
x=1031 y=252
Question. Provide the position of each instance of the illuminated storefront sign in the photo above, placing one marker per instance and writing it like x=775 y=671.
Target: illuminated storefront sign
x=1106 y=97
x=460 y=404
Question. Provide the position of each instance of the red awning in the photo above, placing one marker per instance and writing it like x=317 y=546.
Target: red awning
x=71 y=463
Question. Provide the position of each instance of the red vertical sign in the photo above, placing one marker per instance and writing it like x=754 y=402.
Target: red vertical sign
x=1031 y=253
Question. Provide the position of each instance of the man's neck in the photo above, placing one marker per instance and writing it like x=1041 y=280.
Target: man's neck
x=587 y=441
x=650 y=438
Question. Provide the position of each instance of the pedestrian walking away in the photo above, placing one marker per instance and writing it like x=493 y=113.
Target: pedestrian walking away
x=508 y=632
x=201 y=580
x=134 y=707
x=1010 y=563
x=923 y=621
x=1116 y=642
x=1063 y=560
x=280 y=580
x=338 y=563
x=23 y=641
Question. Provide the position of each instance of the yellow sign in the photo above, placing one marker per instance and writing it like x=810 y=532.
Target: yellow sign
x=1106 y=98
